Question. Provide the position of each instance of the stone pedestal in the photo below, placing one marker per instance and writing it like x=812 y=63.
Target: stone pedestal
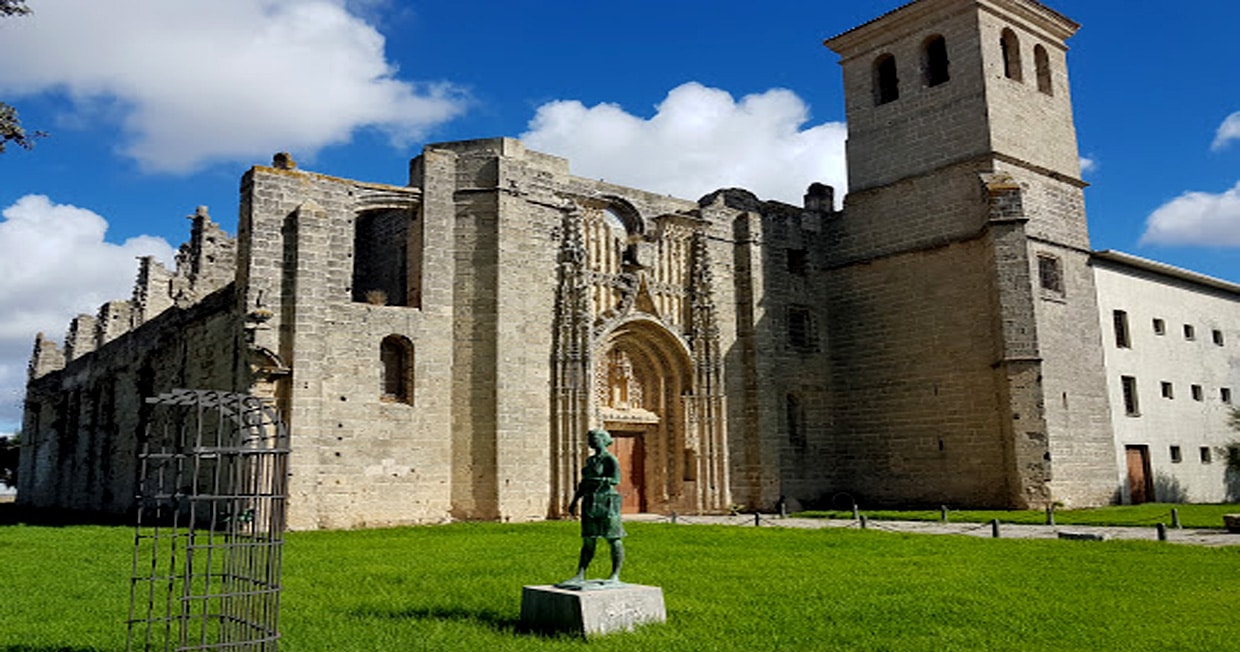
x=550 y=610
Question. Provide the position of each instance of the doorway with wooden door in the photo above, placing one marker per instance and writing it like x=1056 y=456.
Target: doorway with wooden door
x=1140 y=479
x=630 y=449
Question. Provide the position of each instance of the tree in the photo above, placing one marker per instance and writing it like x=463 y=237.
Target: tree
x=11 y=130
x=10 y=448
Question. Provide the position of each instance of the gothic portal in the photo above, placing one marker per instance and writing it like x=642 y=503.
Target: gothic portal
x=637 y=353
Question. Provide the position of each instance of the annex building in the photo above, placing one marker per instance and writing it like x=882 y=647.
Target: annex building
x=440 y=349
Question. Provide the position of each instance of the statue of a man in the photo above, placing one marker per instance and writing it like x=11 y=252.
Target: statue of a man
x=600 y=511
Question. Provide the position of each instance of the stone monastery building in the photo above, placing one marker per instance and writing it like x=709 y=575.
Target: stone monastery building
x=439 y=349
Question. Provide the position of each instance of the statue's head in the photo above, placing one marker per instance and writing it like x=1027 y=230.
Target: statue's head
x=599 y=438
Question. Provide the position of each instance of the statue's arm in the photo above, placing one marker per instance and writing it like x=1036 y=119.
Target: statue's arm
x=613 y=470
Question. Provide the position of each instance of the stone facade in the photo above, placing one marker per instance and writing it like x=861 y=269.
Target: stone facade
x=439 y=349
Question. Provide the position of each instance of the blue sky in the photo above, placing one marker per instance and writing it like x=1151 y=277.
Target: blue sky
x=156 y=107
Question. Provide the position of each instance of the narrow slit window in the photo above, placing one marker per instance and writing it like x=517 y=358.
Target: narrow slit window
x=1198 y=393
x=1160 y=327
x=1176 y=455
x=1168 y=390
x=1218 y=336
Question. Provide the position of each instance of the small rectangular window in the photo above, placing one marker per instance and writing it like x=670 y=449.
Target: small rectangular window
x=1167 y=390
x=1224 y=394
x=1207 y=455
x=1176 y=456
x=1129 y=385
x=1050 y=274
x=1190 y=333
x=1218 y=337
x=800 y=327
x=1121 y=329
x=1160 y=327
x=1198 y=394
x=798 y=261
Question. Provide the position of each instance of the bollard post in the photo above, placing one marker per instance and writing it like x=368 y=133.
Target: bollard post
x=673 y=518
x=862 y=519
x=1162 y=532
x=1050 y=514
x=856 y=512
x=943 y=513
x=1175 y=518
x=757 y=519
x=994 y=528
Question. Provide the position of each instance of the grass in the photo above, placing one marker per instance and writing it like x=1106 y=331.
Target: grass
x=458 y=587
x=1149 y=514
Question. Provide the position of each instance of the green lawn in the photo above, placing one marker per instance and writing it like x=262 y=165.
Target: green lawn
x=1149 y=514
x=458 y=587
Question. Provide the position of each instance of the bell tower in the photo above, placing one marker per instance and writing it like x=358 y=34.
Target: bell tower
x=961 y=296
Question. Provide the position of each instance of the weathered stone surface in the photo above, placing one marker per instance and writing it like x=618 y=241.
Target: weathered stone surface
x=551 y=610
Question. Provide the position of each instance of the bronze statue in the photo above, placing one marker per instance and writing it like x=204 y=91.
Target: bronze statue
x=600 y=512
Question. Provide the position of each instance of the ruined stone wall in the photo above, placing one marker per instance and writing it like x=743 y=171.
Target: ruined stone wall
x=83 y=423
x=85 y=411
x=360 y=457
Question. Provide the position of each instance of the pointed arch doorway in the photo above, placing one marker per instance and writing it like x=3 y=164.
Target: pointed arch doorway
x=642 y=373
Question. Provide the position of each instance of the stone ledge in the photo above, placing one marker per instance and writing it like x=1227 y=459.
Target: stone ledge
x=547 y=609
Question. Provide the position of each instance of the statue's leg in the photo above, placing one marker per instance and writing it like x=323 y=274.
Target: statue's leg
x=617 y=558
x=587 y=554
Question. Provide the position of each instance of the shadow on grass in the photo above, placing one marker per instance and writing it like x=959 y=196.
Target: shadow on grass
x=487 y=617
x=49 y=648
x=14 y=514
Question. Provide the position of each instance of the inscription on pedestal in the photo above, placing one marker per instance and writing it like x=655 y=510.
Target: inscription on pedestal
x=551 y=610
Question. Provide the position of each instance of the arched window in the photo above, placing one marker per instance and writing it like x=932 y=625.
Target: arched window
x=396 y=355
x=1042 y=61
x=1011 y=54
x=886 y=83
x=934 y=61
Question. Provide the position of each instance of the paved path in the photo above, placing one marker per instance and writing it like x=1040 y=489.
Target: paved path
x=1203 y=537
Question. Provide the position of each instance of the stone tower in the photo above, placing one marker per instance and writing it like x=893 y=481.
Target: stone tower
x=965 y=342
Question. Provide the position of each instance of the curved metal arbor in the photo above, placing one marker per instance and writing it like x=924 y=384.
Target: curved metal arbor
x=211 y=494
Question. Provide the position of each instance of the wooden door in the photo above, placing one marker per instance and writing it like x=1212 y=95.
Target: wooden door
x=1140 y=482
x=630 y=449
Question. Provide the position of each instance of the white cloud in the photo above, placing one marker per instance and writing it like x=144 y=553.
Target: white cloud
x=1228 y=131
x=700 y=139
x=1089 y=165
x=1197 y=219
x=54 y=265
x=198 y=82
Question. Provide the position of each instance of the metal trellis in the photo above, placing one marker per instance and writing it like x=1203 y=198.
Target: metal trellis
x=211 y=495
